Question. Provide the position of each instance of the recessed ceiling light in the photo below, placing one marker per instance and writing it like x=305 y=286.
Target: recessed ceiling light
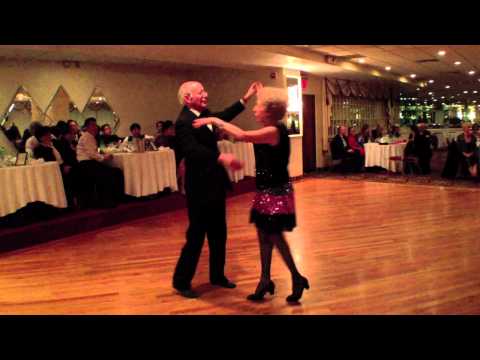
x=465 y=92
x=475 y=91
x=441 y=53
x=361 y=60
x=413 y=76
x=388 y=68
x=430 y=93
x=456 y=63
x=418 y=89
x=474 y=101
x=431 y=81
x=443 y=97
x=447 y=86
x=471 y=72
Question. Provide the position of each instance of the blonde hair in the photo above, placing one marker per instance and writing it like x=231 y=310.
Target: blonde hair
x=275 y=101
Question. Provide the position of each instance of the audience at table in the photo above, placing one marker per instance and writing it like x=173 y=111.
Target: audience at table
x=378 y=132
x=364 y=135
x=107 y=180
x=106 y=136
x=350 y=160
x=75 y=130
x=32 y=141
x=166 y=138
x=64 y=145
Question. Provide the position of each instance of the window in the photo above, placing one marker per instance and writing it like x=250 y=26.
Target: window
x=350 y=111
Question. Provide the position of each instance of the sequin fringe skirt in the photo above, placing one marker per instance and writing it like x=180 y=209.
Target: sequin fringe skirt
x=274 y=209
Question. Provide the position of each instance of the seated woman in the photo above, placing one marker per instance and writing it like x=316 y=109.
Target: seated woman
x=358 y=150
x=467 y=146
x=45 y=149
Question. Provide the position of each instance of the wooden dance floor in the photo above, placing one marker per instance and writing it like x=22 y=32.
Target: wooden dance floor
x=367 y=248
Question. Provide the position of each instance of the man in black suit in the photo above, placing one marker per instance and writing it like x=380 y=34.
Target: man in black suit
x=206 y=182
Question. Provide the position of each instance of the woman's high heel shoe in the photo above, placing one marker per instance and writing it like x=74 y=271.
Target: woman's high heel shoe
x=261 y=291
x=298 y=288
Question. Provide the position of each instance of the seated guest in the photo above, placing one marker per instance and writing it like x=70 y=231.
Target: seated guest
x=13 y=134
x=64 y=145
x=364 y=136
x=107 y=180
x=158 y=127
x=75 y=130
x=350 y=161
x=167 y=136
x=353 y=143
x=106 y=136
x=377 y=133
x=395 y=132
x=45 y=149
x=423 y=148
x=32 y=142
x=467 y=146
x=136 y=133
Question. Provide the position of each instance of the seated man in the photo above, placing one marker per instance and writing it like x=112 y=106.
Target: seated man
x=107 y=180
x=136 y=133
x=350 y=160
x=167 y=135
x=106 y=136
x=64 y=145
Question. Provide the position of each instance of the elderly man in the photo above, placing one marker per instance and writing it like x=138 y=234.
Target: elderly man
x=206 y=182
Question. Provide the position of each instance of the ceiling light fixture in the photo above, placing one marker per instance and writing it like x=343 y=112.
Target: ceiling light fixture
x=413 y=76
x=388 y=68
x=441 y=53
x=471 y=72
x=456 y=63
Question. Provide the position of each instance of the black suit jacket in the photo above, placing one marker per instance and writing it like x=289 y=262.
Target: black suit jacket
x=339 y=150
x=205 y=178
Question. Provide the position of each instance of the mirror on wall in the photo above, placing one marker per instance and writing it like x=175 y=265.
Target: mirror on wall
x=21 y=111
x=99 y=108
x=61 y=107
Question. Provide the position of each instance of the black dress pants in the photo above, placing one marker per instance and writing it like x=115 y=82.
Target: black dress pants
x=206 y=216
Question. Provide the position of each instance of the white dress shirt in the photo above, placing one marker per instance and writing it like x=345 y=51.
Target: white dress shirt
x=30 y=145
x=87 y=148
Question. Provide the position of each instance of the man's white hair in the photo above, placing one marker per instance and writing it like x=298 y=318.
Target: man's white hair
x=185 y=89
x=275 y=101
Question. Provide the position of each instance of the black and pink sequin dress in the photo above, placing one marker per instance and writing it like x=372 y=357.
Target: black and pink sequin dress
x=274 y=205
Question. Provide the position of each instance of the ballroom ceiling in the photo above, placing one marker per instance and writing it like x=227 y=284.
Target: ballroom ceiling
x=442 y=72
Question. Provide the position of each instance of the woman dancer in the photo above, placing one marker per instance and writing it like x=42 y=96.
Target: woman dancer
x=273 y=210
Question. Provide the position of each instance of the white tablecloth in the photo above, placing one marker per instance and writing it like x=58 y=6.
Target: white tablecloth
x=379 y=155
x=444 y=134
x=242 y=151
x=21 y=185
x=147 y=173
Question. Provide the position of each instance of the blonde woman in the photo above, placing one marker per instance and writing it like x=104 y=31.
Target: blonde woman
x=273 y=210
